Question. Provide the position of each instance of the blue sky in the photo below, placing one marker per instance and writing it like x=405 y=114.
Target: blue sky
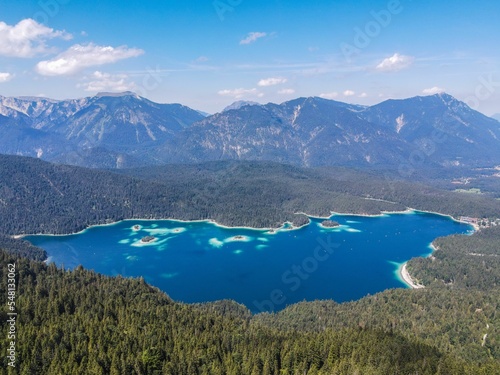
x=207 y=54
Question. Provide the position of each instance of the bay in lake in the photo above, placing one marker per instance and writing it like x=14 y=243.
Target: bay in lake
x=265 y=270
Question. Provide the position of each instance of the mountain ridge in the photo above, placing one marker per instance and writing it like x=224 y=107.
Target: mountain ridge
x=442 y=132
x=118 y=126
x=127 y=130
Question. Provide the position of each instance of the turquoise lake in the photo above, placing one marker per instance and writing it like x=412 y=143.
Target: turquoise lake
x=265 y=270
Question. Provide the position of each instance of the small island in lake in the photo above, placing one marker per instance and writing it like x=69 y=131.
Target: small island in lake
x=329 y=224
x=239 y=238
x=136 y=228
x=148 y=239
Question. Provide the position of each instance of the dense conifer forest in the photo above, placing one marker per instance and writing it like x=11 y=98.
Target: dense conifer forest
x=80 y=322
x=462 y=262
x=22 y=248
x=39 y=197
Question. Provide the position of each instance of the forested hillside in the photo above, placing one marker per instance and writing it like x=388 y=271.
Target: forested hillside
x=462 y=262
x=38 y=197
x=453 y=321
x=318 y=191
x=22 y=248
x=457 y=311
x=80 y=322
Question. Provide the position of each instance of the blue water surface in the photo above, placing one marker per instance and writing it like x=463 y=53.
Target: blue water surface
x=265 y=270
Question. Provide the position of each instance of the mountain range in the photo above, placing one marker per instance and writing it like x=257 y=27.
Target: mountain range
x=106 y=130
x=125 y=130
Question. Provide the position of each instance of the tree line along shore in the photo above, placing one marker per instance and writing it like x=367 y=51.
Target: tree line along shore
x=98 y=324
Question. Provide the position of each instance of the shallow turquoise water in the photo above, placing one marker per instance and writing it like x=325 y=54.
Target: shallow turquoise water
x=201 y=261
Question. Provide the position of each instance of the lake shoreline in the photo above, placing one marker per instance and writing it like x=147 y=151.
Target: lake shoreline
x=381 y=214
x=408 y=211
x=475 y=226
x=205 y=237
x=406 y=277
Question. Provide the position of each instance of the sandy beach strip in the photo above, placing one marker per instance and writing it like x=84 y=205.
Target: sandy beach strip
x=407 y=278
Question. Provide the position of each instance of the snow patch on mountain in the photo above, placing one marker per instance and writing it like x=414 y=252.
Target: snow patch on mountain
x=296 y=113
x=400 y=123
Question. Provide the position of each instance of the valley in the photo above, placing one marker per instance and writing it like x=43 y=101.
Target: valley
x=38 y=197
x=255 y=187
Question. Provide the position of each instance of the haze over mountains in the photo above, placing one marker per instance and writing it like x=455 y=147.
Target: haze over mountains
x=125 y=130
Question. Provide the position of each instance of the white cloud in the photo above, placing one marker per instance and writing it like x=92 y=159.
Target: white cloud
x=329 y=95
x=395 y=62
x=433 y=90
x=363 y=95
x=100 y=81
x=201 y=59
x=4 y=77
x=349 y=93
x=286 y=92
x=27 y=38
x=272 y=81
x=79 y=57
x=252 y=37
x=240 y=93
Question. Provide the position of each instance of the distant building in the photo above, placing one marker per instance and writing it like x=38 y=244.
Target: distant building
x=469 y=220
